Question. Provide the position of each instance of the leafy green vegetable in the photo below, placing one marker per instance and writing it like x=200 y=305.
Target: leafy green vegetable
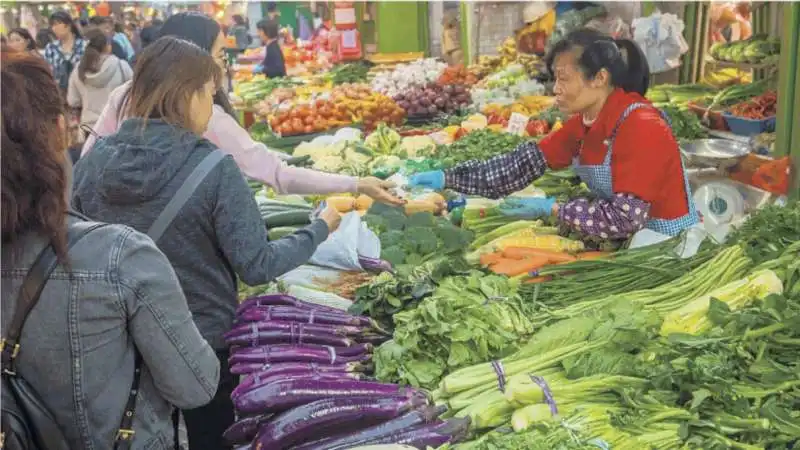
x=478 y=144
x=769 y=231
x=467 y=319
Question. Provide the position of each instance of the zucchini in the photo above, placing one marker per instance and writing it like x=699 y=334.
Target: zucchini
x=281 y=204
x=299 y=161
x=287 y=218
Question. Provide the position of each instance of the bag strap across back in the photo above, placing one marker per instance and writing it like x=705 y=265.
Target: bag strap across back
x=46 y=262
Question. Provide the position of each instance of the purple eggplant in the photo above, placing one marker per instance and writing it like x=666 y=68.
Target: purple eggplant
x=243 y=447
x=244 y=388
x=298 y=353
x=374 y=265
x=279 y=325
x=274 y=370
x=298 y=367
x=294 y=314
x=410 y=419
x=257 y=338
x=316 y=419
x=285 y=394
x=245 y=429
x=430 y=435
x=281 y=300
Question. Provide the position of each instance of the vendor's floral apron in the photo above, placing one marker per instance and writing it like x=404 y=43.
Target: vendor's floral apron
x=598 y=179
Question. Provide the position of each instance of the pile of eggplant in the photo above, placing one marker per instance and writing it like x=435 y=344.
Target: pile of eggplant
x=306 y=383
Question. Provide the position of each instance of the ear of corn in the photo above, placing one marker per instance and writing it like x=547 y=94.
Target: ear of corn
x=527 y=238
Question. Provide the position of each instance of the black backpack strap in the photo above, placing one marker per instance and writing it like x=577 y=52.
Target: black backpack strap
x=31 y=289
x=184 y=192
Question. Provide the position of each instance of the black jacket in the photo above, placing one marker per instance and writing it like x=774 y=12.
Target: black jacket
x=273 y=63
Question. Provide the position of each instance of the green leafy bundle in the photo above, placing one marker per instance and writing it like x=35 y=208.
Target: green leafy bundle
x=768 y=232
x=476 y=145
x=388 y=294
x=686 y=126
x=468 y=319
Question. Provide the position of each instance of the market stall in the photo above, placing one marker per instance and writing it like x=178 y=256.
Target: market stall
x=449 y=324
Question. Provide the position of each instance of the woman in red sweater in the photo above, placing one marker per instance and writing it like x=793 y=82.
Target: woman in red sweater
x=616 y=140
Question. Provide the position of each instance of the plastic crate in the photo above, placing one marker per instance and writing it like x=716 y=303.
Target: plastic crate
x=749 y=127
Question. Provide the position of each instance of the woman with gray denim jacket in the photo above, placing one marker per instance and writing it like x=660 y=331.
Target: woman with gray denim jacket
x=113 y=292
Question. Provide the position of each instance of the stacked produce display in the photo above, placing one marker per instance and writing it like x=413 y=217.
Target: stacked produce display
x=474 y=330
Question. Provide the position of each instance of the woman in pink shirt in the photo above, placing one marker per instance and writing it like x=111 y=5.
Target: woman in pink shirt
x=253 y=158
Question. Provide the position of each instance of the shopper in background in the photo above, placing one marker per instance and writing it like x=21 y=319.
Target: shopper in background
x=98 y=74
x=273 y=64
x=150 y=32
x=240 y=32
x=66 y=51
x=131 y=30
x=113 y=293
x=218 y=236
x=43 y=37
x=20 y=40
x=120 y=47
x=254 y=158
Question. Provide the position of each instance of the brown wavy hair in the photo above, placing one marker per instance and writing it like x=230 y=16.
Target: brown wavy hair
x=96 y=43
x=167 y=74
x=34 y=165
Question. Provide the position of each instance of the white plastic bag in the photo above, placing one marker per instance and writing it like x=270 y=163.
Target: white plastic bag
x=343 y=246
x=661 y=38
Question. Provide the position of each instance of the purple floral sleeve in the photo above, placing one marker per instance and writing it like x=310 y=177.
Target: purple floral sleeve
x=615 y=219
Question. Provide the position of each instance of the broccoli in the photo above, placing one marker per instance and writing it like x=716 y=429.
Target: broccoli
x=454 y=238
x=391 y=238
x=421 y=240
x=421 y=219
x=375 y=223
x=394 y=255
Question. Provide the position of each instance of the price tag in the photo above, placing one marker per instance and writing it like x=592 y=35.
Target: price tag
x=517 y=123
x=440 y=137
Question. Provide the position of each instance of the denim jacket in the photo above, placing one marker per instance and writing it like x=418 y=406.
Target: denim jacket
x=77 y=346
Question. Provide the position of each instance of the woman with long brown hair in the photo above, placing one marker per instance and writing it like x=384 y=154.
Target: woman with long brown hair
x=98 y=74
x=218 y=236
x=113 y=293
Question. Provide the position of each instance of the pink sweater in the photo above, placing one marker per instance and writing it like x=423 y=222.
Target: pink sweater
x=253 y=158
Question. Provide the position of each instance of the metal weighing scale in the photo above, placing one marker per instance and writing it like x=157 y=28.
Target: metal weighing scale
x=720 y=200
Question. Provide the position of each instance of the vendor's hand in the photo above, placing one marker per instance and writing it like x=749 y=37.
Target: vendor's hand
x=378 y=190
x=432 y=180
x=530 y=207
x=331 y=217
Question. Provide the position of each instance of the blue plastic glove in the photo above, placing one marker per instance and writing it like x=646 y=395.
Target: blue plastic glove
x=258 y=68
x=431 y=180
x=528 y=208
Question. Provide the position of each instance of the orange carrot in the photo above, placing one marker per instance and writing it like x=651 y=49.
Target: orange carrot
x=490 y=258
x=512 y=267
x=523 y=252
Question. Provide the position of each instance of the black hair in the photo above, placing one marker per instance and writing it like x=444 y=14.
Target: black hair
x=238 y=19
x=272 y=7
x=100 y=20
x=119 y=28
x=64 y=17
x=269 y=27
x=201 y=30
x=44 y=37
x=622 y=58
x=25 y=34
